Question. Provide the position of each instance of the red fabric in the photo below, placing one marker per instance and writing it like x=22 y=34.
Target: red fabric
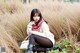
x=37 y=28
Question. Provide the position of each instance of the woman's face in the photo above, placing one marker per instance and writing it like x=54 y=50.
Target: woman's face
x=36 y=17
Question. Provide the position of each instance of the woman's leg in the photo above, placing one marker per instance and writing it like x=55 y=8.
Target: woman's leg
x=42 y=41
x=39 y=49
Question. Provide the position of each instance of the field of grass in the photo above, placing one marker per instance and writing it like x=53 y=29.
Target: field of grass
x=63 y=20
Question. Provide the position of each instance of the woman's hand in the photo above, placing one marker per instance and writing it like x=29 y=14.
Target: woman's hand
x=33 y=22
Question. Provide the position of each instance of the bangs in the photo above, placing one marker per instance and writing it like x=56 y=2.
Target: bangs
x=37 y=14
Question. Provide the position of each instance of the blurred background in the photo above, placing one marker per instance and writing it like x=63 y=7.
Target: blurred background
x=63 y=17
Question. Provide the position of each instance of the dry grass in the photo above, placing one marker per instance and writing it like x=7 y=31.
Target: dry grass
x=63 y=19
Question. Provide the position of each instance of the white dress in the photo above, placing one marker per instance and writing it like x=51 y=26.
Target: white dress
x=44 y=31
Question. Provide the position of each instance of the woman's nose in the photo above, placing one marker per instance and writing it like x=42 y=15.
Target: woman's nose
x=35 y=17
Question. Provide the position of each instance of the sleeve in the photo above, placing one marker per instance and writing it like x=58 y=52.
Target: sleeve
x=29 y=27
x=45 y=28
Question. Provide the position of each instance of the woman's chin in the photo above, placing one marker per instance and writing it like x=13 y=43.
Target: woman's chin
x=36 y=21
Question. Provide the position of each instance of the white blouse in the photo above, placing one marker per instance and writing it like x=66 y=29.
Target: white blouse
x=44 y=31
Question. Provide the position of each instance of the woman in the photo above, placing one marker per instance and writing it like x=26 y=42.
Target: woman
x=38 y=32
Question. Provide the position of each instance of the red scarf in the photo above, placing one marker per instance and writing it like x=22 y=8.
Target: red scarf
x=37 y=28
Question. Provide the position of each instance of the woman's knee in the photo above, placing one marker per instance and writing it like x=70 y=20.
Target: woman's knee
x=32 y=35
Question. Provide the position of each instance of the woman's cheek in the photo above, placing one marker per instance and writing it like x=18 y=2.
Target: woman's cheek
x=38 y=18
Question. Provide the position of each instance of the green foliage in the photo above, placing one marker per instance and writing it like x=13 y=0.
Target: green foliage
x=64 y=51
x=78 y=50
x=65 y=43
x=53 y=51
x=67 y=46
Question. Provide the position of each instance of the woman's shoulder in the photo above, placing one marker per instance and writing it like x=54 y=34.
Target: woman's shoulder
x=44 y=23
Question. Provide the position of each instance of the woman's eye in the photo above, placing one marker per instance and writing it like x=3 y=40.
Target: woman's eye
x=34 y=16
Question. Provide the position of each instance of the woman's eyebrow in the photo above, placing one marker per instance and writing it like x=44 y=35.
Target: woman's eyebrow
x=36 y=15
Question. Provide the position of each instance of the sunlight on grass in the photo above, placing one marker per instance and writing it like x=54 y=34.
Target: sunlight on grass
x=63 y=19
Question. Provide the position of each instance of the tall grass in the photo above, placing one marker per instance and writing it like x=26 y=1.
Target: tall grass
x=63 y=19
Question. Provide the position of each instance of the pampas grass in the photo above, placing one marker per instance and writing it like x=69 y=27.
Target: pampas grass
x=7 y=41
x=63 y=20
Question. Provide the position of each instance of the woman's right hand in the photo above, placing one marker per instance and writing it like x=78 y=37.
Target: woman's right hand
x=33 y=22
x=29 y=27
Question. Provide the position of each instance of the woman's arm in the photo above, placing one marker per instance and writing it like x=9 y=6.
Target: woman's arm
x=29 y=28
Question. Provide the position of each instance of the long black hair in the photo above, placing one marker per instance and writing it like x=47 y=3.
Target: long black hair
x=33 y=12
